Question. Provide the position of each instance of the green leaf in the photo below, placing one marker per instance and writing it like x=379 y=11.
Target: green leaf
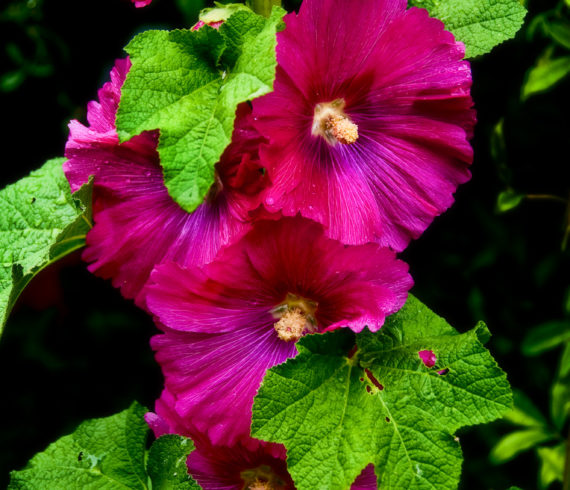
x=479 y=24
x=40 y=222
x=551 y=464
x=508 y=200
x=101 y=453
x=545 y=337
x=188 y=84
x=544 y=75
x=336 y=414
x=166 y=463
x=516 y=442
x=560 y=395
x=524 y=412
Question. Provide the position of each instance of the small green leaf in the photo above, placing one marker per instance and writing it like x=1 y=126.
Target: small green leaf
x=508 y=200
x=166 y=463
x=560 y=397
x=336 y=414
x=524 y=412
x=221 y=12
x=188 y=85
x=544 y=75
x=558 y=31
x=545 y=337
x=40 y=222
x=101 y=453
x=551 y=464
x=479 y=24
x=516 y=442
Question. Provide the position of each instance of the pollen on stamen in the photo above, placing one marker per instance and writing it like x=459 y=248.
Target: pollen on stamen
x=333 y=124
x=292 y=325
x=344 y=130
x=260 y=485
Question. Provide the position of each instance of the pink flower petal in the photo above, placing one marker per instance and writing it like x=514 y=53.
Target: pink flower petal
x=219 y=319
x=409 y=99
x=137 y=224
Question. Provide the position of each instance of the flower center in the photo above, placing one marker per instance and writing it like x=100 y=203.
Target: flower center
x=261 y=478
x=331 y=122
x=296 y=318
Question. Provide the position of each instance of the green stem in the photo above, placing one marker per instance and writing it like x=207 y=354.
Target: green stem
x=566 y=484
x=263 y=7
x=546 y=197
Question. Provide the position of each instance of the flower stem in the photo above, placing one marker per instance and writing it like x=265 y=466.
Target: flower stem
x=566 y=484
x=263 y=7
x=546 y=197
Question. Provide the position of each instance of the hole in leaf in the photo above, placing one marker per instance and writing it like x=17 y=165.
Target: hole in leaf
x=352 y=351
x=372 y=378
x=428 y=358
x=387 y=419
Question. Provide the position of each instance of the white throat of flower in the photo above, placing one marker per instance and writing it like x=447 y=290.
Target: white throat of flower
x=331 y=123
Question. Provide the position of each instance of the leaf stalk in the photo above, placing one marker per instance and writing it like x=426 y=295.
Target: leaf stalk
x=263 y=7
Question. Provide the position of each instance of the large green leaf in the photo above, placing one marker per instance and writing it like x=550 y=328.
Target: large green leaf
x=479 y=24
x=337 y=412
x=101 y=453
x=110 y=453
x=188 y=84
x=40 y=222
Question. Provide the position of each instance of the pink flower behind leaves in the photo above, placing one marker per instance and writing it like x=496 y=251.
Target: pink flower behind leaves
x=369 y=121
x=428 y=358
x=234 y=467
x=226 y=323
x=137 y=224
x=141 y=3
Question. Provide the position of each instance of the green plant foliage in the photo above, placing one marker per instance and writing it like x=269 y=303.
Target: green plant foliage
x=188 y=84
x=551 y=464
x=545 y=337
x=110 y=453
x=524 y=412
x=479 y=24
x=167 y=463
x=560 y=394
x=517 y=442
x=545 y=74
x=40 y=222
x=508 y=200
x=336 y=413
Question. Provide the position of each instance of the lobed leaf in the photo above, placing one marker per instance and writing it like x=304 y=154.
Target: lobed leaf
x=40 y=222
x=479 y=24
x=336 y=413
x=188 y=85
x=101 y=453
x=110 y=453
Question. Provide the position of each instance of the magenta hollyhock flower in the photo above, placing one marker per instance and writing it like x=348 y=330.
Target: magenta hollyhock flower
x=141 y=3
x=369 y=121
x=239 y=467
x=137 y=224
x=227 y=322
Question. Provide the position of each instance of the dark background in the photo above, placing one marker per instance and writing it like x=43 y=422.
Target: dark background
x=74 y=349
